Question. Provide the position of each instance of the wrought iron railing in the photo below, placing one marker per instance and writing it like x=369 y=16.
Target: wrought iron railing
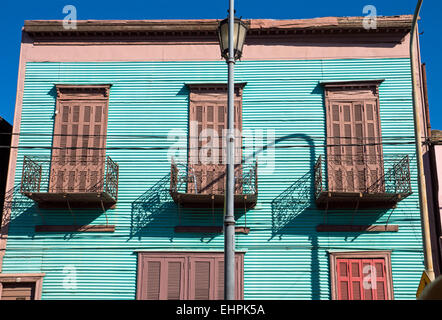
x=45 y=174
x=363 y=173
x=184 y=178
x=318 y=177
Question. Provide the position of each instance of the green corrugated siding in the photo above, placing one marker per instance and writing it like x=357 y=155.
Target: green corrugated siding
x=149 y=98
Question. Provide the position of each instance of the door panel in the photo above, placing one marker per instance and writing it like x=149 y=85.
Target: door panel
x=355 y=152
x=193 y=276
x=207 y=278
x=77 y=163
x=207 y=156
x=163 y=279
x=375 y=167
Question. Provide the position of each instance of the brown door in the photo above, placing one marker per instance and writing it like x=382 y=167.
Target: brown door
x=77 y=163
x=207 y=145
x=373 y=148
x=18 y=291
x=206 y=280
x=355 y=153
x=163 y=279
x=188 y=276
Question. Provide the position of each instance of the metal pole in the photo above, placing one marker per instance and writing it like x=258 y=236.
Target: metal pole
x=421 y=176
x=229 y=218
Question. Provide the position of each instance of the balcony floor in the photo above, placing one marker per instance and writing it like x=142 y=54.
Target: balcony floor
x=73 y=200
x=352 y=200
x=192 y=200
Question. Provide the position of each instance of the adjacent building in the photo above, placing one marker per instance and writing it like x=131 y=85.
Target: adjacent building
x=433 y=163
x=5 y=143
x=116 y=175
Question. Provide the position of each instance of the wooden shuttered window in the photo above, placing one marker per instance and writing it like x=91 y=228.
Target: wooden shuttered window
x=195 y=276
x=207 y=145
x=355 y=152
x=79 y=141
x=162 y=279
x=207 y=278
x=18 y=291
x=362 y=278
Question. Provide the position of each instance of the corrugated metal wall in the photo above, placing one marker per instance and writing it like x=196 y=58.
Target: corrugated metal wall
x=286 y=258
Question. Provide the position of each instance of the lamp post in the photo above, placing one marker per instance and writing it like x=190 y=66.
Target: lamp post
x=231 y=34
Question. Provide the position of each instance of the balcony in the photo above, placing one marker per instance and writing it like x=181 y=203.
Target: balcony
x=361 y=181
x=196 y=186
x=70 y=182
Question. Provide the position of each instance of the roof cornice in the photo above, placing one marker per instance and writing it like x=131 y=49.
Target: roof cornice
x=111 y=29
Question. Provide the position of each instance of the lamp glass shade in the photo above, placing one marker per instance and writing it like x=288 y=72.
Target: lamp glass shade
x=239 y=35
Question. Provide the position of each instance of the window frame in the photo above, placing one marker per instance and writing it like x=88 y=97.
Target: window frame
x=81 y=93
x=213 y=93
x=36 y=278
x=386 y=255
x=350 y=92
x=190 y=257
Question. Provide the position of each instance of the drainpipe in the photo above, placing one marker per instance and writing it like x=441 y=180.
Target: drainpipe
x=428 y=257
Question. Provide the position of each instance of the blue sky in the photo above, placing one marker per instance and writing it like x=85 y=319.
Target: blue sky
x=14 y=13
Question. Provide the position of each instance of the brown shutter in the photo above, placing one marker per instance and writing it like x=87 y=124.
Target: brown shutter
x=202 y=282
x=207 y=277
x=335 y=169
x=202 y=277
x=220 y=280
x=359 y=140
x=174 y=275
x=153 y=279
x=194 y=276
x=163 y=278
x=211 y=114
x=354 y=160
x=348 y=172
x=78 y=146
x=374 y=147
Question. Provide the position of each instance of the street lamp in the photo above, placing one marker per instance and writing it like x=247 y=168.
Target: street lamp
x=239 y=35
x=231 y=35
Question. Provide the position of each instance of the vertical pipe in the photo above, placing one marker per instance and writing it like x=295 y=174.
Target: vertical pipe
x=229 y=219
x=425 y=91
x=428 y=256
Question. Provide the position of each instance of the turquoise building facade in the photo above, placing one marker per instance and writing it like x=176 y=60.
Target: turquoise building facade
x=286 y=256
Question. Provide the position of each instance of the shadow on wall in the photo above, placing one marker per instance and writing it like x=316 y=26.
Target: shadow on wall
x=153 y=206
x=22 y=215
x=294 y=212
x=155 y=214
x=18 y=213
x=291 y=202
